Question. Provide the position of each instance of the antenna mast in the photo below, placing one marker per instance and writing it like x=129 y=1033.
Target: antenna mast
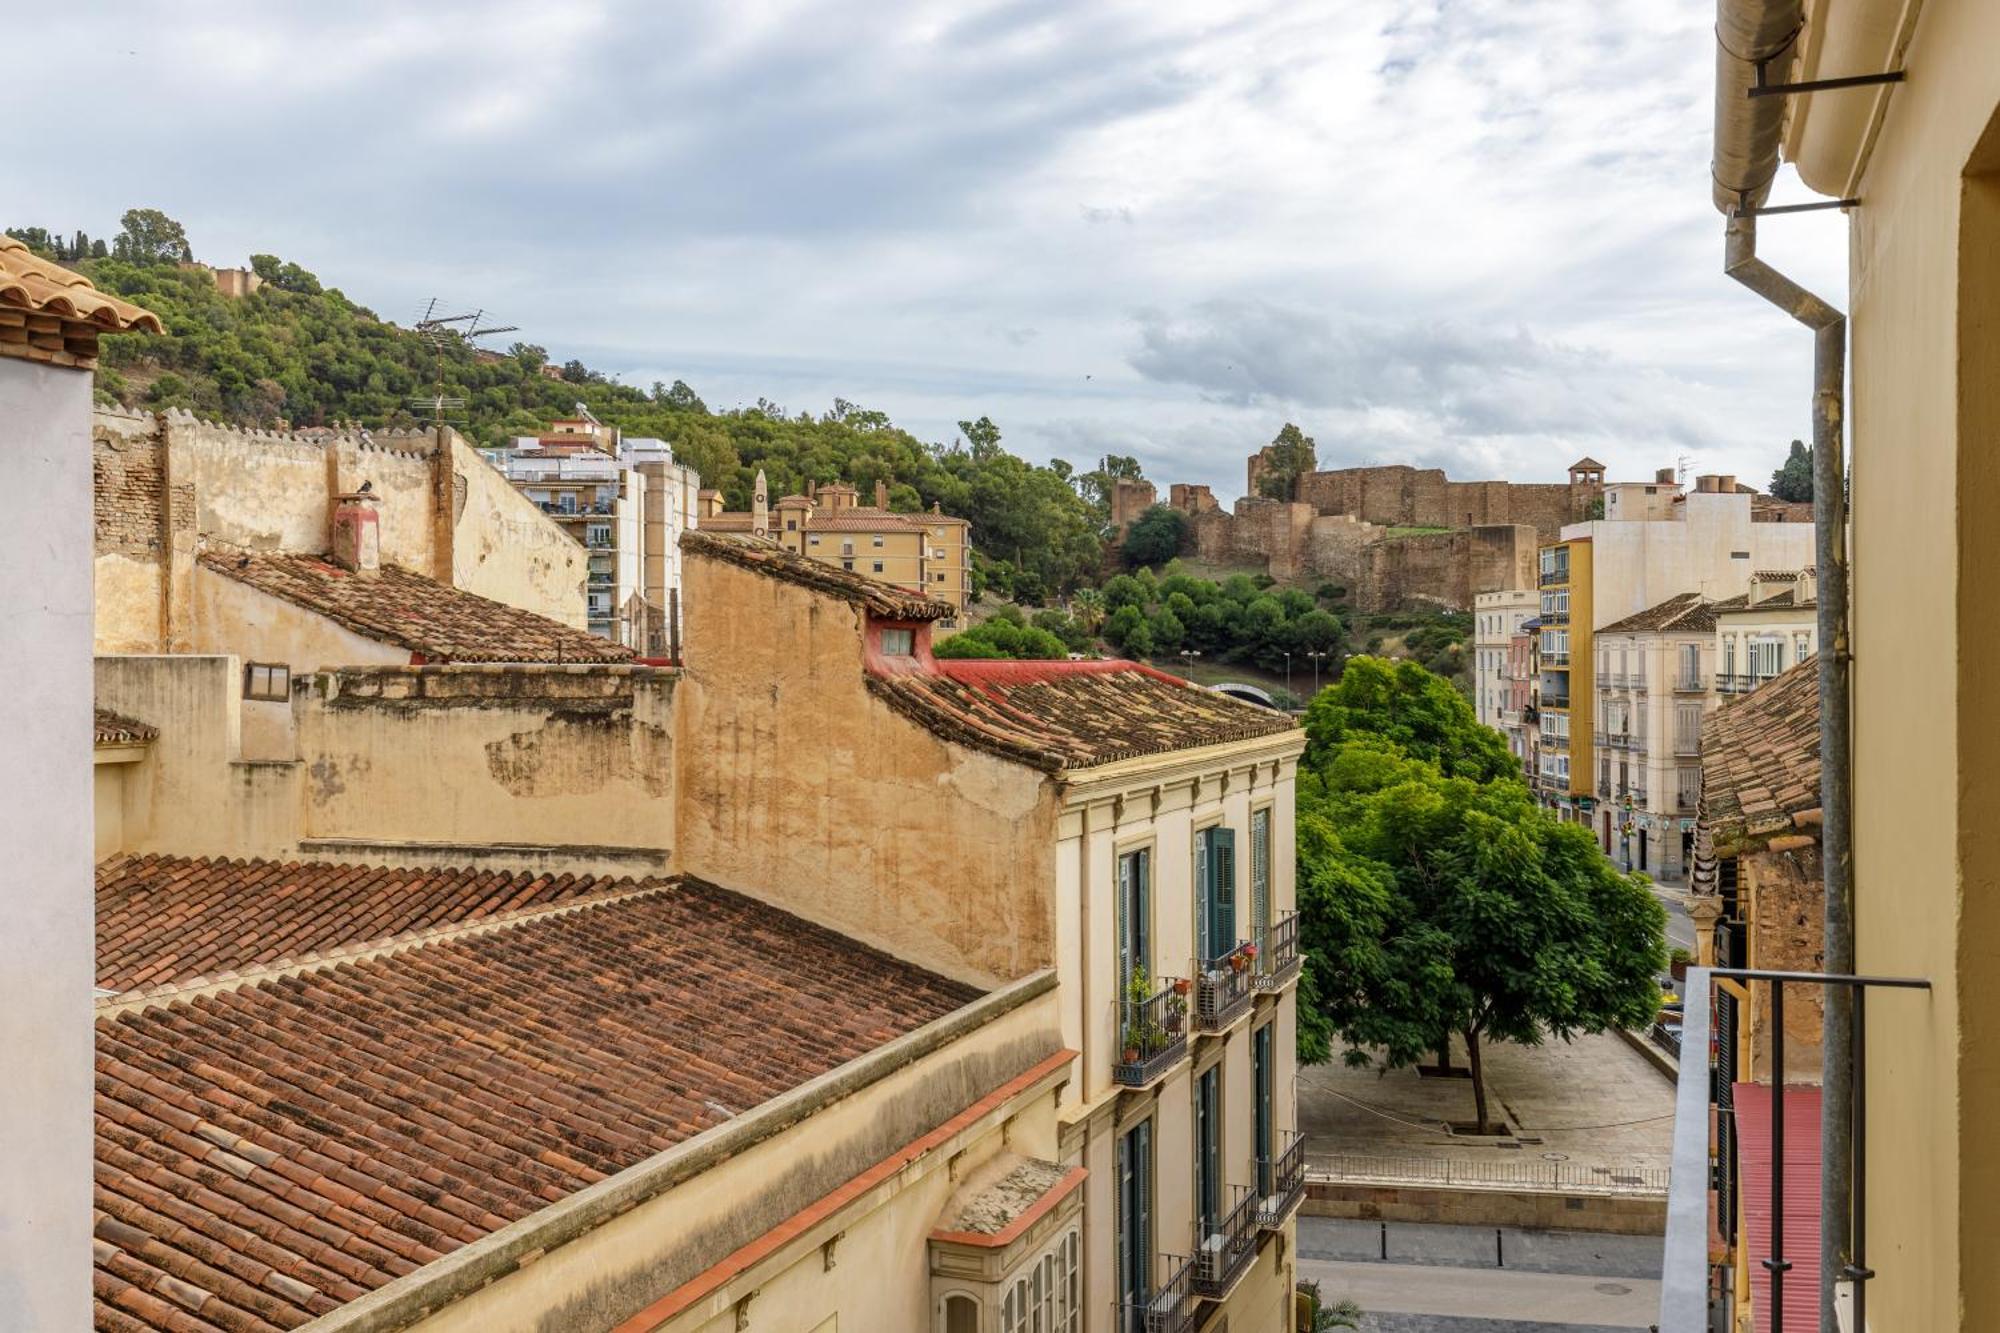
x=440 y=332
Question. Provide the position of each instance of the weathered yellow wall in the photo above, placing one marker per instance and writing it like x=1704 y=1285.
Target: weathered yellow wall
x=195 y=793
x=108 y=803
x=230 y=616
x=1925 y=299
x=880 y=1280
x=443 y=757
x=801 y=787
x=505 y=548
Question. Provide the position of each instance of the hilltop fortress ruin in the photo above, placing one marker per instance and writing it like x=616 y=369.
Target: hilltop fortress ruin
x=1399 y=537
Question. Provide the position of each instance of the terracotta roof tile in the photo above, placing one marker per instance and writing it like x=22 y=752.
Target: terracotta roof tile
x=117 y=729
x=268 y=1153
x=396 y=606
x=1062 y=715
x=774 y=561
x=1760 y=760
x=48 y=313
x=164 y=919
x=1684 y=613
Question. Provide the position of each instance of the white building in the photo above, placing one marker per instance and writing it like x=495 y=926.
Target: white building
x=1497 y=618
x=626 y=501
x=1765 y=631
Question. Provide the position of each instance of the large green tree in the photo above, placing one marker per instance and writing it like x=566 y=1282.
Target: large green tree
x=1155 y=537
x=1290 y=456
x=1435 y=907
x=1420 y=713
x=1793 y=480
x=148 y=236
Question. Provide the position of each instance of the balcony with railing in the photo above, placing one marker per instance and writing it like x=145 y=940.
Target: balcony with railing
x=1278 y=960
x=1281 y=1182
x=1152 y=1031
x=1222 y=989
x=1169 y=1306
x=1717 y=1180
x=1687 y=747
x=1224 y=1252
x=1685 y=683
x=1552 y=577
x=1736 y=683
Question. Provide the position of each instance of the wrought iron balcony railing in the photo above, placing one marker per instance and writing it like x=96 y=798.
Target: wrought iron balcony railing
x=1222 y=988
x=1704 y=1181
x=1169 y=1306
x=1278 y=962
x=1224 y=1253
x=1281 y=1182
x=1152 y=1034
x=1690 y=685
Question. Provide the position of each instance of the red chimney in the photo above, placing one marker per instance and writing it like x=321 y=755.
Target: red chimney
x=357 y=534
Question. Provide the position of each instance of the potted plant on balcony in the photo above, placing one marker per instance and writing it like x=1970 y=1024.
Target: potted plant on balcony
x=1678 y=963
x=1138 y=989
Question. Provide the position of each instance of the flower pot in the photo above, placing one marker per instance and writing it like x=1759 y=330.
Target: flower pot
x=1180 y=985
x=1131 y=1055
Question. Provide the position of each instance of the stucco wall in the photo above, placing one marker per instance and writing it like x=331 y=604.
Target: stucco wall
x=47 y=961
x=444 y=759
x=165 y=479
x=1925 y=411
x=798 y=785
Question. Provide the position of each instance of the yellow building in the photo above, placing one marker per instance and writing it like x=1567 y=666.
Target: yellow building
x=1569 y=682
x=1894 y=108
x=927 y=554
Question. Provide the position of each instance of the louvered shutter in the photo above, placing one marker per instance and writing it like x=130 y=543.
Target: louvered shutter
x=1202 y=897
x=1222 y=864
x=1260 y=880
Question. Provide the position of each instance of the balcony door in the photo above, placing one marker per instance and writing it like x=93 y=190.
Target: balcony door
x=1208 y=1151
x=1262 y=1077
x=1260 y=881
x=1215 y=892
x=1135 y=915
x=1135 y=1223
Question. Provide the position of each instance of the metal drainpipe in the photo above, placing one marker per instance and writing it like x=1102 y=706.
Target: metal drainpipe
x=1835 y=742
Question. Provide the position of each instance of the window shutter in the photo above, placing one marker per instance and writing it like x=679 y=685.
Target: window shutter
x=1124 y=924
x=1260 y=878
x=1222 y=860
x=1202 y=908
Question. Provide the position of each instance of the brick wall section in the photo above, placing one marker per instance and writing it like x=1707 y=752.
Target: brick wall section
x=1130 y=499
x=128 y=480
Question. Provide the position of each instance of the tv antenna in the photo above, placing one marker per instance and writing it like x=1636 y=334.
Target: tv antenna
x=1681 y=471
x=443 y=332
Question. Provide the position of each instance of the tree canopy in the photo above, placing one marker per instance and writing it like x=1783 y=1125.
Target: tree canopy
x=1240 y=619
x=148 y=236
x=1413 y=709
x=1291 y=455
x=1793 y=480
x=1436 y=904
x=1004 y=636
x=1155 y=537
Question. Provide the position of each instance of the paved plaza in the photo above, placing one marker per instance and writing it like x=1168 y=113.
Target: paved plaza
x=1597 y=1107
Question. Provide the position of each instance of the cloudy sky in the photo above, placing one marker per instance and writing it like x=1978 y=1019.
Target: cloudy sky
x=1464 y=233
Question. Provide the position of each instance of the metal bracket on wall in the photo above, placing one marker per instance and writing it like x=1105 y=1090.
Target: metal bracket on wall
x=1818 y=206
x=1764 y=88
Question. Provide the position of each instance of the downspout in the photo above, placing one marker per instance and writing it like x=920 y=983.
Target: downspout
x=1763 y=33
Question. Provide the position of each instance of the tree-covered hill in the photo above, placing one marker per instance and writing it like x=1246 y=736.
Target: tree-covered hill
x=301 y=353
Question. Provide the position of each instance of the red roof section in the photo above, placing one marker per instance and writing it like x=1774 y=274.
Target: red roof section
x=1057 y=715
x=1800 y=1290
x=269 y=1153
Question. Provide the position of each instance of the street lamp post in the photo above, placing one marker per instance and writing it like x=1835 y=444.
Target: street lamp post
x=1315 y=655
x=1187 y=659
x=1288 y=673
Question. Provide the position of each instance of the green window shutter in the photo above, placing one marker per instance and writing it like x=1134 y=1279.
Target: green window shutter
x=1203 y=897
x=1260 y=879
x=1222 y=891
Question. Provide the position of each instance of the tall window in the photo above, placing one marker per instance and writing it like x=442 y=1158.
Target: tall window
x=1263 y=1076
x=1135 y=1223
x=1691 y=664
x=1047 y=1296
x=1135 y=916
x=1767 y=657
x=1260 y=879
x=1215 y=892
x=1208 y=1151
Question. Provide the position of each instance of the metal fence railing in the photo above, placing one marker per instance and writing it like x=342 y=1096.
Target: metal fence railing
x=1564 y=1177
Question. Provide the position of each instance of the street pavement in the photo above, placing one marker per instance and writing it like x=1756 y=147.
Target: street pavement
x=1449 y=1279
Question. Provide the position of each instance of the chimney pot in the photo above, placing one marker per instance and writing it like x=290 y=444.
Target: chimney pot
x=357 y=534
x=881 y=494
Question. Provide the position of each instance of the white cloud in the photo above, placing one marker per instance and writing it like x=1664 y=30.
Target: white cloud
x=1473 y=233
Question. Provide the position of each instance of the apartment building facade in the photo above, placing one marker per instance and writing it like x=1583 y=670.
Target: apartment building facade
x=928 y=554
x=1764 y=632
x=626 y=501
x=1708 y=541
x=1655 y=683
x=1501 y=669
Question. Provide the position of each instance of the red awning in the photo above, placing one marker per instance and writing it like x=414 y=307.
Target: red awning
x=1802 y=1201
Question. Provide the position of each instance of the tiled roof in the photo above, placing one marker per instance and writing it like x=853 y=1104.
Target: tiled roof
x=774 y=561
x=1063 y=715
x=268 y=1153
x=116 y=729
x=1684 y=613
x=1788 y=600
x=1760 y=760
x=1586 y=462
x=48 y=313
x=167 y=919
x=443 y=623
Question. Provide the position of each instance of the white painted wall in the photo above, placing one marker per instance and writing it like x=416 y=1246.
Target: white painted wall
x=47 y=961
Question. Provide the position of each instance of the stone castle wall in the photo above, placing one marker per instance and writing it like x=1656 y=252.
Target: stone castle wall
x=1401 y=496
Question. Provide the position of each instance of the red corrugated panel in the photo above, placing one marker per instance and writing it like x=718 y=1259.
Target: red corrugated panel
x=1802 y=1201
